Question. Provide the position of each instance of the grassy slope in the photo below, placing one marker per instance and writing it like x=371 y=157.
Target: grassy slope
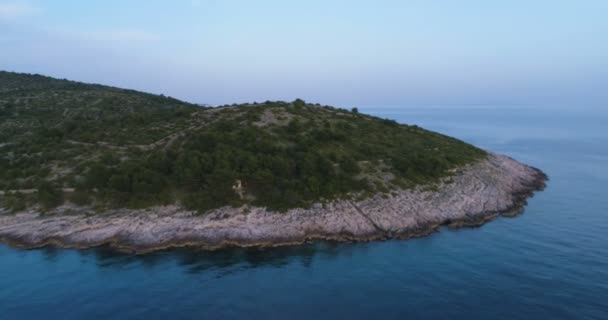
x=126 y=148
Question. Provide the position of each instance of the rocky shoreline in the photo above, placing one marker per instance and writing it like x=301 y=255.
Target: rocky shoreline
x=497 y=185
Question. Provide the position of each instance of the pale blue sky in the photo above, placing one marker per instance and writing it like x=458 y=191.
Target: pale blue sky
x=345 y=53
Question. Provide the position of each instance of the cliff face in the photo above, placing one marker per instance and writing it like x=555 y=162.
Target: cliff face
x=478 y=192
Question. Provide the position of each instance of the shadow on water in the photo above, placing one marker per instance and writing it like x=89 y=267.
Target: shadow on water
x=51 y=254
x=226 y=261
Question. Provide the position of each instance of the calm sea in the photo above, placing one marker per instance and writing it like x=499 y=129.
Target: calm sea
x=549 y=263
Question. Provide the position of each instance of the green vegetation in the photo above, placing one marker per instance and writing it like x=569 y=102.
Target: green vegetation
x=120 y=148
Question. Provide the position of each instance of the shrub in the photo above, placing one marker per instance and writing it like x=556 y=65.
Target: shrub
x=48 y=196
x=80 y=198
x=14 y=202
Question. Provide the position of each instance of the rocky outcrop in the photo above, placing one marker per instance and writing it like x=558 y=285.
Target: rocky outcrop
x=476 y=193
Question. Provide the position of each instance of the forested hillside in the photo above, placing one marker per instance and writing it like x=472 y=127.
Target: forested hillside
x=107 y=147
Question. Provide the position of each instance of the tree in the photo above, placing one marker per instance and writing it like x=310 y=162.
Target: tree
x=354 y=110
x=120 y=183
x=294 y=126
x=350 y=166
x=299 y=103
x=97 y=176
x=49 y=196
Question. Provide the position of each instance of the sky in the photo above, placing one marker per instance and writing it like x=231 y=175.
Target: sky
x=341 y=52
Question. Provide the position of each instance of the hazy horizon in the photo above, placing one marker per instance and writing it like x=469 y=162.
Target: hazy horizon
x=344 y=53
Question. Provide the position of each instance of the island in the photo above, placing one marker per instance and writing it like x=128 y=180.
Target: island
x=86 y=165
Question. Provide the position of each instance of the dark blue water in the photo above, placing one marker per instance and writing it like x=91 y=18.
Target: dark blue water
x=549 y=263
